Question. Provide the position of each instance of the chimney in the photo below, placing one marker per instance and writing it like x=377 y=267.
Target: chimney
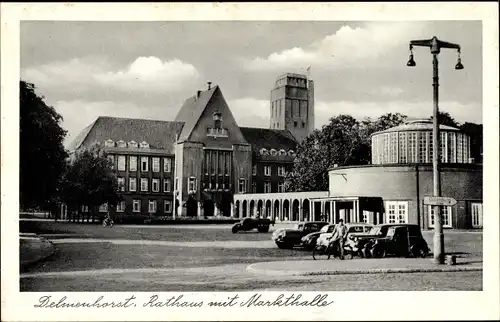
x=209 y=84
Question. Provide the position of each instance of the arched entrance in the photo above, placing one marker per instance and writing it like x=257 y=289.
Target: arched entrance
x=244 y=210
x=252 y=208
x=277 y=210
x=191 y=207
x=268 y=209
x=295 y=210
x=286 y=210
x=305 y=210
x=237 y=208
x=208 y=208
x=260 y=208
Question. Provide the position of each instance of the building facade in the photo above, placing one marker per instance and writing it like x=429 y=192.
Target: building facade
x=401 y=175
x=193 y=165
x=292 y=105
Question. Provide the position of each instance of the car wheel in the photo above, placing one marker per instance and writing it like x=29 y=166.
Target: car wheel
x=234 y=230
x=320 y=252
x=366 y=252
x=378 y=252
x=263 y=229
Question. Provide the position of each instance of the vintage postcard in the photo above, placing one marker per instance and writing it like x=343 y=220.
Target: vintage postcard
x=271 y=161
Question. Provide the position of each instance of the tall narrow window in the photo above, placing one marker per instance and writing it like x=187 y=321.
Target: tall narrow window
x=192 y=184
x=156 y=164
x=254 y=186
x=402 y=148
x=281 y=186
x=152 y=206
x=460 y=148
x=121 y=184
x=167 y=185
x=144 y=184
x=241 y=186
x=254 y=170
x=120 y=206
x=443 y=151
x=136 y=205
x=144 y=164
x=412 y=147
x=267 y=187
x=168 y=206
x=155 y=185
x=422 y=148
x=132 y=184
x=132 y=163
x=267 y=170
x=111 y=159
x=121 y=163
x=167 y=165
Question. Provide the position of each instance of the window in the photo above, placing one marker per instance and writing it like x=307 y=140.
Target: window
x=241 y=186
x=192 y=184
x=460 y=148
x=121 y=184
x=254 y=186
x=422 y=148
x=156 y=185
x=412 y=147
x=109 y=143
x=136 y=206
x=402 y=147
x=254 y=170
x=267 y=187
x=103 y=207
x=120 y=207
x=281 y=186
x=132 y=144
x=168 y=206
x=443 y=147
x=282 y=152
x=267 y=170
x=152 y=206
x=366 y=216
x=263 y=151
x=121 y=163
x=111 y=159
x=430 y=144
x=167 y=164
x=144 y=184
x=156 y=164
x=445 y=215
x=121 y=144
x=132 y=184
x=295 y=124
x=397 y=212
x=132 y=165
x=176 y=183
x=167 y=185
x=452 y=143
x=144 y=164
x=281 y=171
x=477 y=215
x=273 y=152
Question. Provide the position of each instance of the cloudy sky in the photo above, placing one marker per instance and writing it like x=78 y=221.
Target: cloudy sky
x=147 y=69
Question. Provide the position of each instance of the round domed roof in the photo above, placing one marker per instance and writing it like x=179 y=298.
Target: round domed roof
x=417 y=125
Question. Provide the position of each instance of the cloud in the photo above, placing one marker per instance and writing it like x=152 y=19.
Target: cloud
x=250 y=112
x=145 y=74
x=470 y=112
x=348 y=46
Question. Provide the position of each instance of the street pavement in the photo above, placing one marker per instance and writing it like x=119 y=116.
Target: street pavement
x=147 y=258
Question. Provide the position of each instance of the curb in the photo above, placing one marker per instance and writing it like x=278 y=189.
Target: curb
x=251 y=269
x=36 y=249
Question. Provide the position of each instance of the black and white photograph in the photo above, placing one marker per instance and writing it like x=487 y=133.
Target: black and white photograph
x=273 y=161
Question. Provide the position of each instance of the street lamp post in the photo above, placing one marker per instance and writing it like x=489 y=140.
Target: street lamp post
x=435 y=46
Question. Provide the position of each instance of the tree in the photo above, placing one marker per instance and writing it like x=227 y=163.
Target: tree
x=42 y=154
x=90 y=180
x=475 y=131
x=445 y=118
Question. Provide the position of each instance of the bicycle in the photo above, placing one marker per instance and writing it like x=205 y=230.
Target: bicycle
x=332 y=249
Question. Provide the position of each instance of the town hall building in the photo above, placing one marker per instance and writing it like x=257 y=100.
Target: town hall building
x=193 y=165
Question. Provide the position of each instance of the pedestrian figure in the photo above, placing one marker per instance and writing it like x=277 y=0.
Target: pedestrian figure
x=339 y=236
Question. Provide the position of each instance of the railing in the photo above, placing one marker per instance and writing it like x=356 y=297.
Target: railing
x=217 y=132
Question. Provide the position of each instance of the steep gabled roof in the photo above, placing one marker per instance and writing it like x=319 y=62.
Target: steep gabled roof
x=159 y=134
x=78 y=140
x=269 y=138
x=192 y=109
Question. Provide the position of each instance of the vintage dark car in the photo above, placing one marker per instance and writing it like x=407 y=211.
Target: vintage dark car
x=394 y=239
x=309 y=240
x=287 y=238
x=247 y=224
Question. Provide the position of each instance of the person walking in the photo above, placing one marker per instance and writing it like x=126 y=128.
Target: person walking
x=339 y=236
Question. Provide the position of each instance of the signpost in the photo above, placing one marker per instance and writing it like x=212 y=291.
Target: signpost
x=439 y=201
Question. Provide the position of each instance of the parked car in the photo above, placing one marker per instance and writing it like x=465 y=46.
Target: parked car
x=309 y=240
x=247 y=224
x=394 y=239
x=287 y=238
x=353 y=229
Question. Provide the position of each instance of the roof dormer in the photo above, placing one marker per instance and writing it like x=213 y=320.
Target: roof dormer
x=132 y=144
x=109 y=143
x=121 y=144
x=144 y=145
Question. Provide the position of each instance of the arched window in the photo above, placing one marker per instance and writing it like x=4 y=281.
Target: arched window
x=273 y=152
x=282 y=152
x=109 y=143
x=132 y=144
x=121 y=144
